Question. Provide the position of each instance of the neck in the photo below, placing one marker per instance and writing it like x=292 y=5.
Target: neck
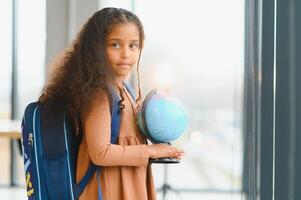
x=119 y=80
x=117 y=83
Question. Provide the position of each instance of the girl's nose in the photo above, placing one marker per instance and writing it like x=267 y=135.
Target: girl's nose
x=125 y=53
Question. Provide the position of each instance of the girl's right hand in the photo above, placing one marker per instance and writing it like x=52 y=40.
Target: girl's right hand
x=164 y=150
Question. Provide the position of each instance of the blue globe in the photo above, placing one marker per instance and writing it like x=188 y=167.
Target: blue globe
x=162 y=118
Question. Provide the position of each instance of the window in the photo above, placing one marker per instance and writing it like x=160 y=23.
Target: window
x=31 y=52
x=195 y=51
x=5 y=58
x=22 y=40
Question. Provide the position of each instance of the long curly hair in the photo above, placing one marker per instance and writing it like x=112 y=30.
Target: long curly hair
x=84 y=67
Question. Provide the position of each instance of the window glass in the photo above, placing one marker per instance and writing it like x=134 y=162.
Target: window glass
x=195 y=51
x=5 y=58
x=31 y=51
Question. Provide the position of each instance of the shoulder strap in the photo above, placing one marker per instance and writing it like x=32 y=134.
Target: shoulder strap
x=129 y=89
x=79 y=188
x=115 y=125
x=115 y=111
x=115 y=114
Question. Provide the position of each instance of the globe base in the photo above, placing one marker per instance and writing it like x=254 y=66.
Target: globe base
x=164 y=160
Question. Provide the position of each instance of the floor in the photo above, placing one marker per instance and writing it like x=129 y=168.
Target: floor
x=20 y=194
x=12 y=193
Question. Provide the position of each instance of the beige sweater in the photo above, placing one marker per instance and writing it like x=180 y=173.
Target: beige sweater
x=125 y=174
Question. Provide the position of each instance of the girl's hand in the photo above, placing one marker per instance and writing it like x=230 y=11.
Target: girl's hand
x=164 y=150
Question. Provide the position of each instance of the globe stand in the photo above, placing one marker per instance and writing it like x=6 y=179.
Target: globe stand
x=165 y=160
x=166 y=187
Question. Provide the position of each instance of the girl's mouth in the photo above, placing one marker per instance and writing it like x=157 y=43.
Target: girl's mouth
x=123 y=65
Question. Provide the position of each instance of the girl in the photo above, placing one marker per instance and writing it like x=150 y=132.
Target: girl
x=104 y=53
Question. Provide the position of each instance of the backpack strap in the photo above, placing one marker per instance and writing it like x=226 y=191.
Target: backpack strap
x=115 y=125
x=115 y=111
x=129 y=89
x=79 y=188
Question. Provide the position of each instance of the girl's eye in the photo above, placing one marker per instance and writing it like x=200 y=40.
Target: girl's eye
x=115 y=45
x=134 y=46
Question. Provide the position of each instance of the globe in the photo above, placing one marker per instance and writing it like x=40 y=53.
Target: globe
x=162 y=118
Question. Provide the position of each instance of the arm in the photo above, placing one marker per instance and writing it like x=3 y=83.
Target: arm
x=97 y=129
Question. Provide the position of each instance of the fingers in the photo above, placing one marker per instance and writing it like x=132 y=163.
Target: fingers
x=171 y=148
x=176 y=153
x=164 y=150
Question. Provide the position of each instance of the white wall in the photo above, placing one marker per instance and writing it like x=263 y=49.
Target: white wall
x=64 y=19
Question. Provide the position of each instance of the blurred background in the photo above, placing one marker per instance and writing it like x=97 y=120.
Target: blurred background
x=218 y=57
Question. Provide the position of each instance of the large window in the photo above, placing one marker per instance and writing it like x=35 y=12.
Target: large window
x=5 y=80
x=5 y=58
x=22 y=55
x=31 y=51
x=195 y=51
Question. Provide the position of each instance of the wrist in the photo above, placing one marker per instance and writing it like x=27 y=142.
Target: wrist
x=149 y=149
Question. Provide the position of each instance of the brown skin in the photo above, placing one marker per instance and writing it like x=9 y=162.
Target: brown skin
x=122 y=48
x=164 y=150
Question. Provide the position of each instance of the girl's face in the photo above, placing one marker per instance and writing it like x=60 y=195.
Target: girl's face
x=122 y=49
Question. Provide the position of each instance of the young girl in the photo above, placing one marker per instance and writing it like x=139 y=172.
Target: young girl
x=104 y=53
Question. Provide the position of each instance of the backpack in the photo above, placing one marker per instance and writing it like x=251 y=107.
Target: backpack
x=50 y=151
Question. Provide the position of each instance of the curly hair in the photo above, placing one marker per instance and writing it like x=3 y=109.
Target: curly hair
x=84 y=68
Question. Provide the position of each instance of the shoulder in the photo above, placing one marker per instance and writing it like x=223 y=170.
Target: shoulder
x=100 y=96
x=100 y=100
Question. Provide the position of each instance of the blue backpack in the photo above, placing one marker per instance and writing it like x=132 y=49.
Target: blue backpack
x=50 y=152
